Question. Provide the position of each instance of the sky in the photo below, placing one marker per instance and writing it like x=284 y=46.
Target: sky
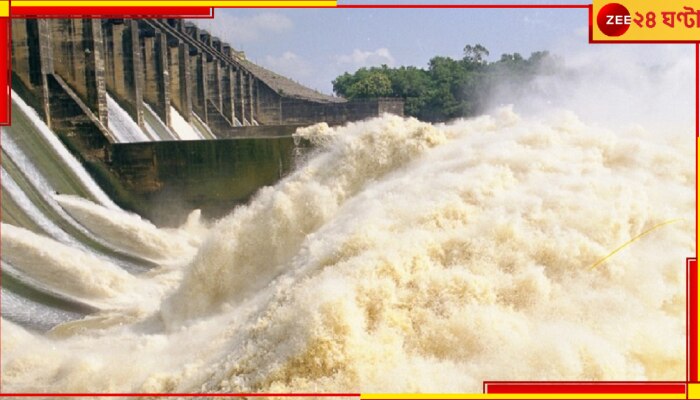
x=313 y=46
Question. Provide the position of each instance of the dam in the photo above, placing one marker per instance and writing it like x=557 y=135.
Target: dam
x=386 y=255
x=165 y=116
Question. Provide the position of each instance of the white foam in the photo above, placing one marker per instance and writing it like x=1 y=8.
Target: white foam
x=130 y=232
x=410 y=257
x=36 y=179
x=57 y=146
x=23 y=310
x=162 y=126
x=182 y=128
x=64 y=269
x=123 y=126
x=10 y=187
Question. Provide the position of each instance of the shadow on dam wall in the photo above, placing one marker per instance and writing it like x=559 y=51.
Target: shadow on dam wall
x=164 y=181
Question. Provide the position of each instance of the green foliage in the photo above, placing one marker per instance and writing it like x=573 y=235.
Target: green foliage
x=365 y=83
x=475 y=54
x=448 y=88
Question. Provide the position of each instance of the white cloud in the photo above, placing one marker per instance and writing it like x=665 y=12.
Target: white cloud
x=289 y=64
x=358 y=58
x=238 y=30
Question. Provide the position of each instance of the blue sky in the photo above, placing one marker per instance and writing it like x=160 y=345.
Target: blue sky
x=313 y=46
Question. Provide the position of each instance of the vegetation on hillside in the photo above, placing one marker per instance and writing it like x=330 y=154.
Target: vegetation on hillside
x=448 y=88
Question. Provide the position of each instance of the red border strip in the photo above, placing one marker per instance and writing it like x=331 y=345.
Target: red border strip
x=692 y=310
x=207 y=12
x=5 y=70
x=585 y=387
x=111 y=12
x=697 y=91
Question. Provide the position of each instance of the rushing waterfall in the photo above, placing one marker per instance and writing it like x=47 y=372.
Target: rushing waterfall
x=533 y=243
x=126 y=130
x=401 y=256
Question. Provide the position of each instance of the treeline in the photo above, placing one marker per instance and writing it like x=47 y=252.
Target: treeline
x=448 y=88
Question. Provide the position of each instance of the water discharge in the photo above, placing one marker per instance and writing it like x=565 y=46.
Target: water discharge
x=402 y=256
x=57 y=149
x=130 y=232
x=11 y=189
x=62 y=267
x=122 y=126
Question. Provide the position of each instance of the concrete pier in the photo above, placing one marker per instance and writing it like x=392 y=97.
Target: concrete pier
x=180 y=82
x=78 y=57
x=164 y=64
x=157 y=72
x=123 y=66
x=66 y=68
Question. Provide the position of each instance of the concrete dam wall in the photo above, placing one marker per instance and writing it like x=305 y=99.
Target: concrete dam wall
x=206 y=174
x=166 y=74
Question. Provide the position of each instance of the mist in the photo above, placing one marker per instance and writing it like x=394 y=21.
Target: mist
x=618 y=86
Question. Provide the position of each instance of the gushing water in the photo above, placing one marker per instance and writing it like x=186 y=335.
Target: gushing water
x=122 y=126
x=10 y=188
x=129 y=231
x=402 y=256
x=73 y=165
x=72 y=271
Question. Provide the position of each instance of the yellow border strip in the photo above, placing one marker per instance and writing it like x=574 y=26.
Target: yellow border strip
x=693 y=391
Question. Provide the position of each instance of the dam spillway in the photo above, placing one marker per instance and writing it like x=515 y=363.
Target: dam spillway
x=108 y=86
x=397 y=256
x=165 y=65
x=393 y=231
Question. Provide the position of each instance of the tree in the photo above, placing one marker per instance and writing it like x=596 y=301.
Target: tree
x=448 y=88
x=363 y=84
x=413 y=85
x=342 y=83
x=513 y=58
x=375 y=84
x=476 y=54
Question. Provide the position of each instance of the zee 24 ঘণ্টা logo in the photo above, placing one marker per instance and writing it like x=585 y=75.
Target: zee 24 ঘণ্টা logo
x=650 y=21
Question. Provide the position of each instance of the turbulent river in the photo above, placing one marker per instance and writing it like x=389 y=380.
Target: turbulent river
x=401 y=256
